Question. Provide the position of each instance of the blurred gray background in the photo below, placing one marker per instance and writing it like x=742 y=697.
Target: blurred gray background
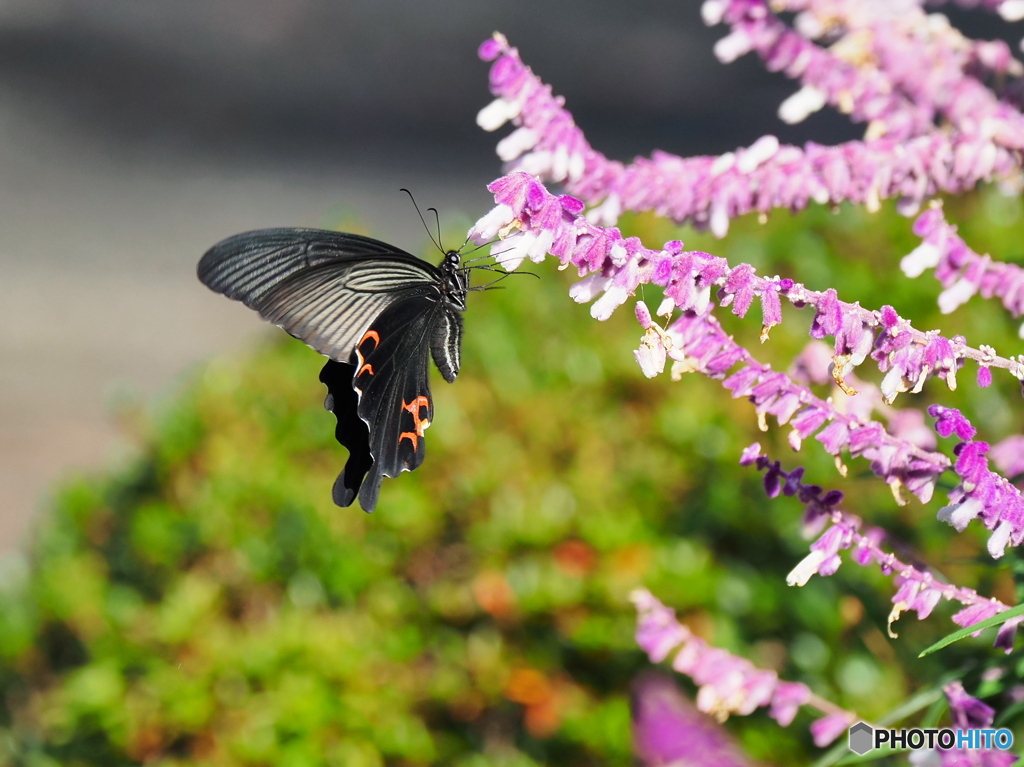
x=136 y=133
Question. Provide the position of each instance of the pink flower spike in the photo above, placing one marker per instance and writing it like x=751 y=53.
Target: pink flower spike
x=828 y=728
x=787 y=700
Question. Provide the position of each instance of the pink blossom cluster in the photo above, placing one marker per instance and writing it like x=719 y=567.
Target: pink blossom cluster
x=615 y=266
x=708 y=191
x=934 y=123
x=729 y=685
x=961 y=271
x=981 y=492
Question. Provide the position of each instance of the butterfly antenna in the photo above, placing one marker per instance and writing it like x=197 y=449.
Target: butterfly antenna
x=437 y=221
x=437 y=243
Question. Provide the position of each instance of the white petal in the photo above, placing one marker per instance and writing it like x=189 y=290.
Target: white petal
x=801 y=105
x=757 y=154
x=514 y=144
x=998 y=540
x=719 y=220
x=713 y=11
x=612 y=299
x=487 y=228
x=732 y=46
x=496 y=114
x=589 y=287
x=924 y=256
x=1012 y=10
x=956 y=295
x=808 y=566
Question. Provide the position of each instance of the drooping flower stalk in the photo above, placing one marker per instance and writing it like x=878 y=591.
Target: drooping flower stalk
x=969 y=713
x=888 y=63
x=727 y=684
x=919 y=590
x=960 y=270
x=933 y=125
x=981 y=493
x=617 y=266
x=709 y=191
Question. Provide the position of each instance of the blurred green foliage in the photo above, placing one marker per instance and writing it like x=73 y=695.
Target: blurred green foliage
x=210 y=606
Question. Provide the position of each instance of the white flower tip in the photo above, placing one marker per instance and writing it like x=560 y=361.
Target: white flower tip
x=713 y=11
x=1012 y=10
x=808 y=566
x=924 y=256
x=757 y=154
x=801 y=105
x=496 y=114
x=955 y=295
x=722 y=163
x=516 y=143
x=605 y=214
x=589 y=287
x=998 y=540
x=732 y=46
x=808 y=26
x=719 y=220
x=651 y=354
x=491 y=224
x=618 y=254
x=612 y=299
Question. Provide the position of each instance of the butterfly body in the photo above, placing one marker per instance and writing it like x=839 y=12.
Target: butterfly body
x=377 y=312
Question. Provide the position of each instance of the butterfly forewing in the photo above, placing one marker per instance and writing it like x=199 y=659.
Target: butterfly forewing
x=247 y=265
x=330 y=306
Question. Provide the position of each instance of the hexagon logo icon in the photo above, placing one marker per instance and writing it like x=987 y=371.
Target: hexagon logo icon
x=861 y=737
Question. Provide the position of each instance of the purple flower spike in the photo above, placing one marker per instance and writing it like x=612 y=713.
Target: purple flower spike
x=950 y=421
x=668 y=730
x=981 y=493
x=918 y=591
x=968 y=712
x=941 y=114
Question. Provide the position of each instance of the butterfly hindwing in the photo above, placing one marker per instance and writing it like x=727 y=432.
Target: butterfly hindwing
x=393 y=386
x=351 y=431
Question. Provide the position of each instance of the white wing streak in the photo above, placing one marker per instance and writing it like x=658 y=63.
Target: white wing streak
x=323 y=287
x=330 y=307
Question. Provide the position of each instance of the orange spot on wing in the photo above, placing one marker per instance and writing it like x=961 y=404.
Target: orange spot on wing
x=363 y=365
x=420 y=424
x=370 y=334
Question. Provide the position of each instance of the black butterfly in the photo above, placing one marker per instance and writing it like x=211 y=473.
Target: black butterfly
x=375 y=311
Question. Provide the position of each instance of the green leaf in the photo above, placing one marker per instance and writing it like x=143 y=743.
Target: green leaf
x=956 y=636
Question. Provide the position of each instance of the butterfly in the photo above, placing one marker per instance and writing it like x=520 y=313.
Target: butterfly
x=377 y=312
